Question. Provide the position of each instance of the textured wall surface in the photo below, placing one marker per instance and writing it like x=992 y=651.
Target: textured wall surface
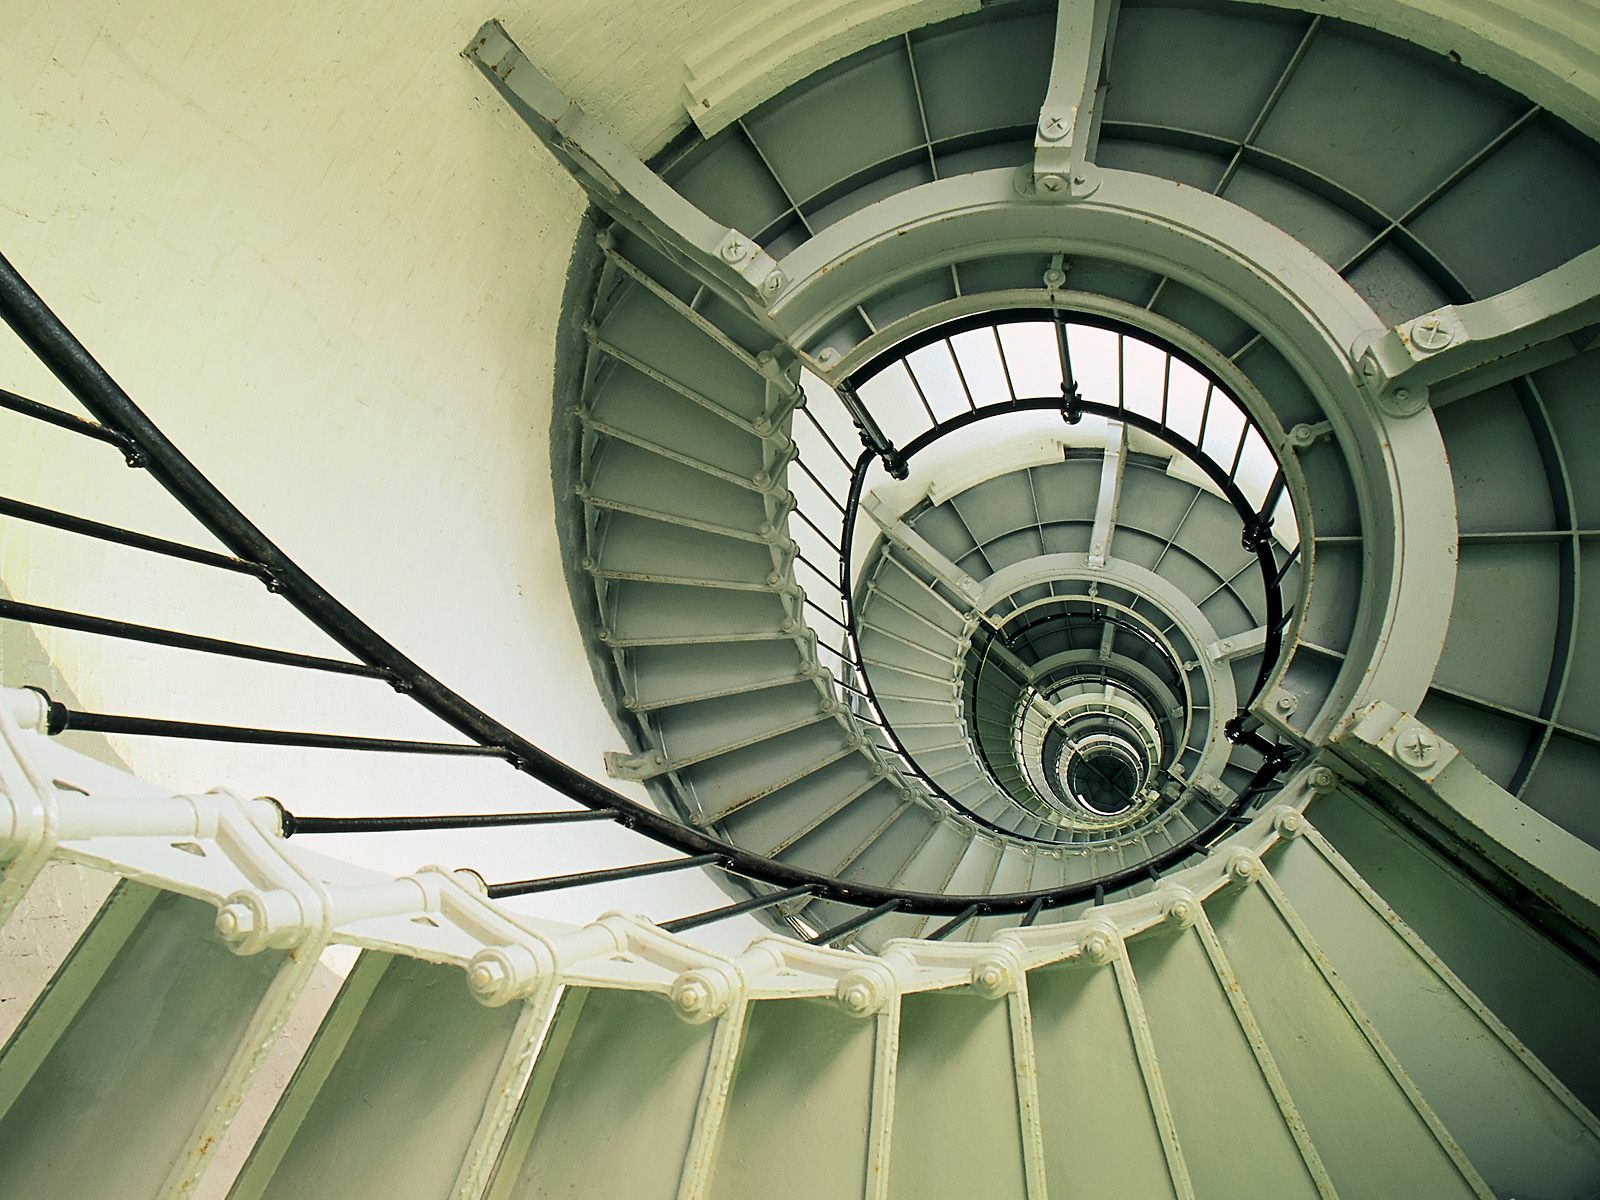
x=328 y=262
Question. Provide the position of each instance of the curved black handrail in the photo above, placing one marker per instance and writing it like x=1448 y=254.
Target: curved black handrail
x=124 y=424
x=1262 y=549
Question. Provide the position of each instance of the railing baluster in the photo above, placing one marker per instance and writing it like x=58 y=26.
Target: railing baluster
x=293 y=824
x=733 y=910
x=954 y=924
x=57 y=618
x=551 y=883
x=124 y=537
x=69 y=422
x=828 y=936
x=63 y=720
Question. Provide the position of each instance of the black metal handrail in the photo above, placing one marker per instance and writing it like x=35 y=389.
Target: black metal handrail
x=119 y=421
x=1256 y=523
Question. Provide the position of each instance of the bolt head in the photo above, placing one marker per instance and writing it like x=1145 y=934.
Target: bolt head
x=1289 y=822
x=991 y=978
x=487 y=977
x=691 y=998
x=1322 y=779
x=1431 y=334
x=236 y=921
x=858 y=999
x=1416 y=747
x=1098 y=947
x=1244 y=867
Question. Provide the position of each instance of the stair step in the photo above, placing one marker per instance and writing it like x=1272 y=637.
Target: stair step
x=1374 y=1137
x=634 y=547
x=1104 y=1138
x=1204 y=1053
x=128 y=1061
x=661 y=676
x=654 y=613
x=628 y=477
x=807 y=1105
x=832 y=833
x=1524 y=1131
x=631 y=405
x=690 y=732
x=1530 y=983
x=647 y=329
x=602 y=1046
x=954 y=1044
x=722 y=785
x=424 y=1107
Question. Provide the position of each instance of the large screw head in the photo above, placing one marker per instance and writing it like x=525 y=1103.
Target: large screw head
x=1417 y=748
x=734 y=249
x=1431 y=334
x=1053 y=128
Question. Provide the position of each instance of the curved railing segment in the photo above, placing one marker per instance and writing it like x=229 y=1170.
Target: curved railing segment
x=119 y=422
x=1256 y=522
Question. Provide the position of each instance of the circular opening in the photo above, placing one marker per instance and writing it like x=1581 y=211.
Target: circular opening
x=1103 y=781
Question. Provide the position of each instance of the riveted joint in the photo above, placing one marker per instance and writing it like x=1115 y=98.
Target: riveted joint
x=1179 y=906
x=1244 y=866
x=703 y=994
x=865 y=991
x=1098 y=944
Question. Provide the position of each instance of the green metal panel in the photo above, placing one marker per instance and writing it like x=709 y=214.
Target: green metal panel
x=957 y=1122
x=1371 y=1138
x=799 y=1119
x=1543 y=994
x=610 y=1109
x=1100 y=1136
x=1520 y=1135
x=392 y=1090
x=1220 y=1099
x=121 y=1059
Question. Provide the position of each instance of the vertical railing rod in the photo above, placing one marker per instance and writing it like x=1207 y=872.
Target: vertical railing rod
x=551 y=883
x=115 y=534
x=821 y=487
x=753 y=904
x=828 y=936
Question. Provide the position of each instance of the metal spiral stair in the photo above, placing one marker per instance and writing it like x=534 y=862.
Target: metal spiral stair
x=1340 y=937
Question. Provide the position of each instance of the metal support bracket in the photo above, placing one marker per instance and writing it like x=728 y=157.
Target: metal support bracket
x=1398 y=751
x=722 y=258
x=1463 y=349
x=1069 y=118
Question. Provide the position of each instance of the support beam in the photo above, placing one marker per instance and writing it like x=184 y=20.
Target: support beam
x=1400 y=752
x=1068 y=120
x=619 y=182
x=1240 y=645
x=920 y=550
x=1105 y=510
x=1463 y=349
x=1108 y=639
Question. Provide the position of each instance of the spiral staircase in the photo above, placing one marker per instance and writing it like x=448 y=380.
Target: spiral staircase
x=1078 y=516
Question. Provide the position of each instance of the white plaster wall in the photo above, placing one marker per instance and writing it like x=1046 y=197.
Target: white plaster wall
x=327 y=261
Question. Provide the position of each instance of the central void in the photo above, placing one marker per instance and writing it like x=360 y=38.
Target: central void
x=1030 y=617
